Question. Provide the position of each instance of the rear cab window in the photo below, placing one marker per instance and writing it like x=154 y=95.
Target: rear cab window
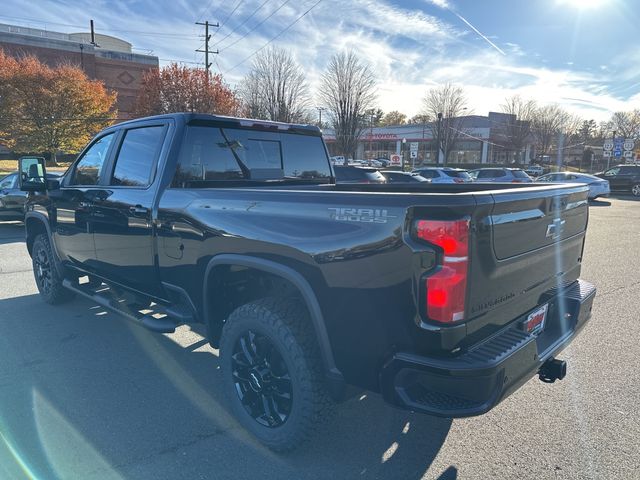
x=210 y=153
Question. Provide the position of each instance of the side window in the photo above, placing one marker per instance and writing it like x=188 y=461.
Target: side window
x=88 y=169
x=8 y=182
x=486 y=173
x=205 y=155
x=499 y=173
x=137 y=156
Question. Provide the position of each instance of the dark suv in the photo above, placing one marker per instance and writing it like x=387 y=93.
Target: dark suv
x=623 y=178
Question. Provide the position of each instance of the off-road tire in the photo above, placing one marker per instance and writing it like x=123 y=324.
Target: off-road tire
x=285 y=322
x=46 y=271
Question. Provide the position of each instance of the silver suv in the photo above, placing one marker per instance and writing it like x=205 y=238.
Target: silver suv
x=508 y=175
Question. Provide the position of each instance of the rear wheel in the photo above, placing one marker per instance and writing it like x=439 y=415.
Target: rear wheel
x=635 y=190
x=47 y=272
x=272 y=371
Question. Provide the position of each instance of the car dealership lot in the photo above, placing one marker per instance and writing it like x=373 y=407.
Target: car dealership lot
x=85 y=394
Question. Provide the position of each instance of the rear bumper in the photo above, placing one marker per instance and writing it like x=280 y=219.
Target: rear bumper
x=476 y=381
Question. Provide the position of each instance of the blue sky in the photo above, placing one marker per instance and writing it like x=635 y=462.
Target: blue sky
x=583 y=54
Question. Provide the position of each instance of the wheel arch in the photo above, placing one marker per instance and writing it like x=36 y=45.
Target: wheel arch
x=306 y=292
x=36 y=223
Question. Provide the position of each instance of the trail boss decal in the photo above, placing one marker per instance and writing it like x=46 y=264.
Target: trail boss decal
x=363 y=215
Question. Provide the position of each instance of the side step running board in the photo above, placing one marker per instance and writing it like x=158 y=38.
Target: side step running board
x=160 y=325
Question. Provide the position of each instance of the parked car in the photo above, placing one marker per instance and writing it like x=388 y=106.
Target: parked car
x=511 y=175
x=12 y=199
x=444 y=174
x=623 y=178
x=394 y=176
x=353 y=174
x=338 y=160
x=444 y=302
x=534 y=170
x=597 y=186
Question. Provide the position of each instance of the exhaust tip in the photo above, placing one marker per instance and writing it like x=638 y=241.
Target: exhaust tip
x=552 y=370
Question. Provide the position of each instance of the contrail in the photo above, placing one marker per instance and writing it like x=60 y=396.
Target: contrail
x=477 y=31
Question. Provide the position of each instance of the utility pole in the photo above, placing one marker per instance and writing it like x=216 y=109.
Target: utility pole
x=207 y=37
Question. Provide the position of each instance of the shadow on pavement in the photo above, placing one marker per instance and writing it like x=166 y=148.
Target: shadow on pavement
x=599 y=203
x=85 y=394
x=11 y=232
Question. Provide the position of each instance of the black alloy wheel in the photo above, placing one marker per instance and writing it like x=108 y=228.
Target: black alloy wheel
x=262 y=380
x=42 y=270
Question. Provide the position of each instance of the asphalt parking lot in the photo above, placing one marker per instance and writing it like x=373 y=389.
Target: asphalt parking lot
x=84 y=394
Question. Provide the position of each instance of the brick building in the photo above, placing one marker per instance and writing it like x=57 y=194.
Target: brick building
x=110 y=60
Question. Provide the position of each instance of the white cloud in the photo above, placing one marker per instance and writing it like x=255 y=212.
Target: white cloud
x=409 y=50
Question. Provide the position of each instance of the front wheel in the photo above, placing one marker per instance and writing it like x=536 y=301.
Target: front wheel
x=635 y=190
x=272 y=371
x=47 y=273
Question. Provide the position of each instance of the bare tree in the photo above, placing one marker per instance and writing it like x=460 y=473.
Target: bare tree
x=444 y=106
x=348 y=89
x=625 y=124
x=518 y=125
x=549 y=121
x=251 y=97
x=275 y=88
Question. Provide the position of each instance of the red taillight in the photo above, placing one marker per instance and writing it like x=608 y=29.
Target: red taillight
x=447 y=287
x=516 y=181
x=458 y=180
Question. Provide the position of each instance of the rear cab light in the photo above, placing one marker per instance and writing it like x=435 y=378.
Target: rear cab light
x=445 y=288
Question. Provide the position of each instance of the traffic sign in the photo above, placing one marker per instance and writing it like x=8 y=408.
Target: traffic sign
x=606 y=153
x=608 y=145
x=413 y=147
x=413 y=154
x=629 y=144
x=628 y=154
x=395 y=160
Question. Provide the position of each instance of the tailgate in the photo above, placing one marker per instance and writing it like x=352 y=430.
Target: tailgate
x=526 y=242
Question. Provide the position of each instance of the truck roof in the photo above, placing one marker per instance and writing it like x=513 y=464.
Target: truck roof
x=190 y=118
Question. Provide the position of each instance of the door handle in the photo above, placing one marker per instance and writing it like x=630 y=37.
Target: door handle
x=138 y=210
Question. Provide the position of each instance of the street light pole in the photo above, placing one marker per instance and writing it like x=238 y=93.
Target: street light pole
x=404 y=143
x=320 y=110
x=613 y=140
x=440 y=139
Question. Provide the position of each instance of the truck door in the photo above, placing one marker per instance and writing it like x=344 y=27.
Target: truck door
x=123 y=222
x=74 y=204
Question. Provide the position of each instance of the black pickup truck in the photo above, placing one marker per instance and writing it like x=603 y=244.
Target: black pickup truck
x=445 y=298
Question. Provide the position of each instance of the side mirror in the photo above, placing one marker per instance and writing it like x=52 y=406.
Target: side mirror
x=32 y=174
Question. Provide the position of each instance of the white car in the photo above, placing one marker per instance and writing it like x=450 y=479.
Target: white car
x=338 y=160
x=444 y=174
x=535 y=170
x=597 y=186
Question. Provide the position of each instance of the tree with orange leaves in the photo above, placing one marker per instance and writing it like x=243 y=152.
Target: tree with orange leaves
x=177 y=88
x=51 y=110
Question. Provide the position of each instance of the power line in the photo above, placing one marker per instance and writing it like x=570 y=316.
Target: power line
x=139 y=32
x=223 y=23
x=275 y=37
x=256 y=26
x=206 y=9
x=242 y=23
